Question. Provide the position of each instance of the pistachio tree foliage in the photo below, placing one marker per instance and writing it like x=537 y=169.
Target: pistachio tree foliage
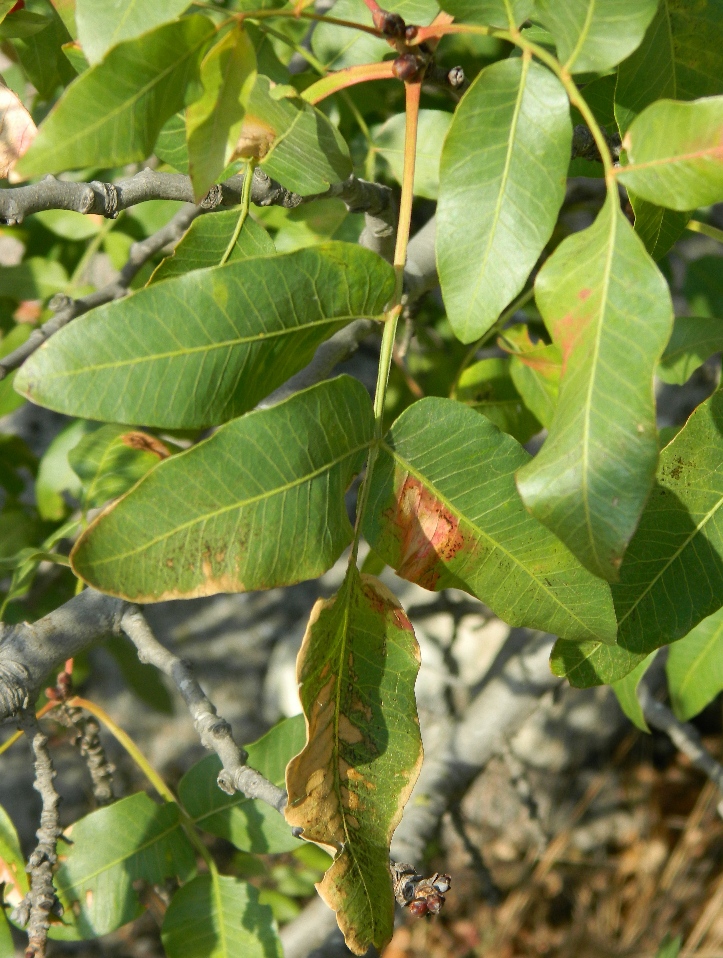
x=328 y=126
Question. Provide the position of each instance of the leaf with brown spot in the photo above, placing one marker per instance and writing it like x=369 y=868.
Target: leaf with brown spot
x=259 y=504
x=444 y=512
x=356 y=668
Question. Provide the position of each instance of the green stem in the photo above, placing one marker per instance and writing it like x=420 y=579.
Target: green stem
x=304 y=15
x=245 y=206
x=695 y=226
x=490 y=334
x=413 y=95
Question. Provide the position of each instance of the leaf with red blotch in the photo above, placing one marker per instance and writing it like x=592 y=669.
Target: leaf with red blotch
x=357 y=668
x=444 y=512
x=608 y=308
x=16 y=130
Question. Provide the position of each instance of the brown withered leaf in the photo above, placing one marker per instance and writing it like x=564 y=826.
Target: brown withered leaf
x=17 y=129
x=347 y=788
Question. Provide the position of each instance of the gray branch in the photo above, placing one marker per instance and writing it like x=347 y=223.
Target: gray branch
x=683 y=735
x=85 y=737
x=30 y=652
x=214 y=731
x=41 y=901
x=67 y=309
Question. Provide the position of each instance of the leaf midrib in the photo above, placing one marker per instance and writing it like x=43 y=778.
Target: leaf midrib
x=583 y=35
x=669 y=160
x=205 y=347
x=279 y=490
x=484 y=535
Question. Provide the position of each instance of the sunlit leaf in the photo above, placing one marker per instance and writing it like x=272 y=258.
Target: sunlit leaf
x=104 y=23
x=695 y=667
x=113 y=112
x=388 y=141
x=17 y=129
x=111 y=850
x=487 y=386
x=674 y=153
x=213 y=122
x=444 y=512
x=502 y=182
x=626 y=691
x=213 y=343
x=41 y=54
x=535 y=369
x=218 y=916
x=271 y=478
x=12 y=863
x=493 y=13
x=594 y=35
x=608 y=309
x=357 y=667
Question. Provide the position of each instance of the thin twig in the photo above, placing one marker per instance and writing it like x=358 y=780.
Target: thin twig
x=41 y=901
x=86 y=739
x=683 y=735
x=214 y=731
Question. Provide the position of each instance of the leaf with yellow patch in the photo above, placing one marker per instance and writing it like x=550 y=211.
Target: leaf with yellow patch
x=357 y=667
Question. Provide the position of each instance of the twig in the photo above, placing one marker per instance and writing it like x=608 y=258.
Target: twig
x=214 y=731
x=87 y=740
x=41 y=901
x=683 y=735
x=30 y=652
x=68 y=309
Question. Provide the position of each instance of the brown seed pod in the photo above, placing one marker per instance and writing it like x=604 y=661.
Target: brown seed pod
x=405 y=67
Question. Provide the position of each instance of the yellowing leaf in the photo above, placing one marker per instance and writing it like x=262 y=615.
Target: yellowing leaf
x=357 y=667
x=16 y=130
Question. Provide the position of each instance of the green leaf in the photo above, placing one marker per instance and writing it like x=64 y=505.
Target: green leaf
x=488 y=387
x=668 y=583
x=213 y=122
x=535 y=369
x=207 y=240
x=288 y=486
x=347 y=789
x=9 y=399
x=171 y=143
x=694 y=339
x=493 y=13
x=703 y=286
x=41 y=54
x=340 y=47
x=218 y=916
x=55 y=475
x=608 y=309
x=594 y=35
x=670 y=947
x=143 y=679
x=7 y=946
x=69 y=224
x=23 y=23
x=388 y=142
x=112 y=113
x=249 y=825
x=674 y=154
x=34 y=278
x=626 y=691
x=502 y=182
x=678 y=59
x=104 y=23
x=12 y=863
x=695 y=667
x=296 y=143
x=112 y=848
x=111 y=459
x=444 y=512
x=658 y=228
x=214 y=342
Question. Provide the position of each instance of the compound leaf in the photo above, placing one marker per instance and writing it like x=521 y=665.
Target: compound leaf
x=388 y=142
x=502 y=182
x=220 y=517
x=594 y=35
x=202 y=348
x=444 y=512
x=608 y=309
x=695 y=667
x=104 y=23
x=675 y=153
x=219 y=916
x=113 y=112
x=357 y=667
